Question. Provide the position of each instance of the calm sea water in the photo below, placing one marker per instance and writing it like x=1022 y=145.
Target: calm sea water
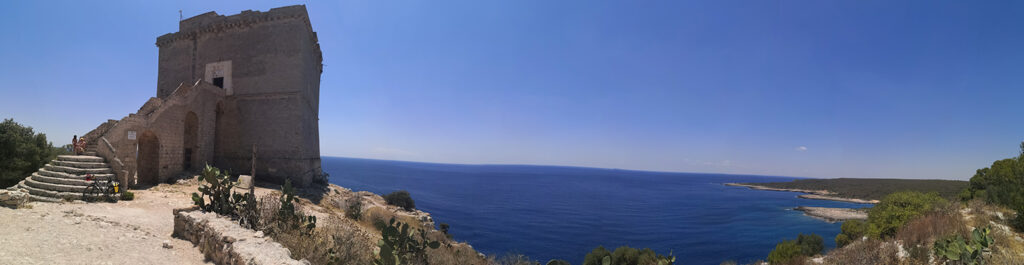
x=549 y=212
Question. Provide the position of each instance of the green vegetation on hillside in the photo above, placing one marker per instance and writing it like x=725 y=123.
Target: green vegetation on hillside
x=793 y=250
x=851 y=230
x=22 y=151
x=625 y=255
x=401 y=199
x=873 y=189
x=896 y=209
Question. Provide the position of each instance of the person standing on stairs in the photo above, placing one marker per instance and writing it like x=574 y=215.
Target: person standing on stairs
x=74 y=145
x=80 y=148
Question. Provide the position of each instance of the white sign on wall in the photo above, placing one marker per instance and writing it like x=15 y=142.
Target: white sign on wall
x=131 y=135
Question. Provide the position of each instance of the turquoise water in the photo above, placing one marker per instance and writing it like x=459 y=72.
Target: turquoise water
x=549 y=212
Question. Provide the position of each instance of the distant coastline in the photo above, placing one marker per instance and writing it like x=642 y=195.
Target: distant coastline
x=810 y=194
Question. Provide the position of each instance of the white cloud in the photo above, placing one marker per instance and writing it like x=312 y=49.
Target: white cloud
x=801 y=148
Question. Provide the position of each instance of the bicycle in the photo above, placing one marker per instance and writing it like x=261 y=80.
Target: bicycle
x=108 y=189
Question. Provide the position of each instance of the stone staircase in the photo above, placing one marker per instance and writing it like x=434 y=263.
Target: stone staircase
x=64 y=177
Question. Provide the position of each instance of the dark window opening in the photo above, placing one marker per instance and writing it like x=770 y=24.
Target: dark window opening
x=218 y=81
x=187 y=159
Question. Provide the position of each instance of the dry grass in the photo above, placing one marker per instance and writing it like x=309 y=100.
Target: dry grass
x=869 y=252
x=918 y=235
x=1007 y=249
x=332 y=237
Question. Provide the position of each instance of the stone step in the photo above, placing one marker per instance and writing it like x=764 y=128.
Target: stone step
x=56 y=174
x=53 y=187
x=79 y=164
x=61 y=181
x=80 y=158
x=89 y=153
x=43 y=199
x=58 y=195
x=78 y=171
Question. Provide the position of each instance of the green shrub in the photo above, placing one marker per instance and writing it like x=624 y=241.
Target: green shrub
x=893 y=211
x=1018 y=221
x=401 y=199
x=963 y=251
x=557 y=262
x=625 y=255
x=810 y=245
x=22 y=151
x=444 y=229
x=354 y=210
x=852 y=230
x=790 y=250
x=784 y=252
x=127 y=196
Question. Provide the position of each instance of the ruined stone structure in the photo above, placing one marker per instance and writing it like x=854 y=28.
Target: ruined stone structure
x=226 y=85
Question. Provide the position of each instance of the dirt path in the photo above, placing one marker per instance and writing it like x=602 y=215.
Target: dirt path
x=126 y=232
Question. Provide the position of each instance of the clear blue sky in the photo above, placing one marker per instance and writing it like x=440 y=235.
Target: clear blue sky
x=923 y=89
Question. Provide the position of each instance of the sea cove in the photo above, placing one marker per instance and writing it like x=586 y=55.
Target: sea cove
x=549 y=212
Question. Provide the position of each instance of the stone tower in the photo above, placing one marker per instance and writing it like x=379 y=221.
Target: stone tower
x=269 y=65
x=225 y=85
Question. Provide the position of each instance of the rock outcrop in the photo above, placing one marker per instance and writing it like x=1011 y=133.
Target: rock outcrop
x=13 y=198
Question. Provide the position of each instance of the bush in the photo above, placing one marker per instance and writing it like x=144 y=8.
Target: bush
x=401 y=199
x=792 y=250
x=354 y=210
x=893 y=211
x=444 y=229
x=127 y=196
x=514 y=259
x=852 y=230
x=22 y=152
x=625 y=255
x=784 y=252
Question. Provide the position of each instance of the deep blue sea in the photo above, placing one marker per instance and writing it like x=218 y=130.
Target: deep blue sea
x=548 y=212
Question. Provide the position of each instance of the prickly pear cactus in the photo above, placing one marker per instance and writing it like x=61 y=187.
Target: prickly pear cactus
x=401 y=245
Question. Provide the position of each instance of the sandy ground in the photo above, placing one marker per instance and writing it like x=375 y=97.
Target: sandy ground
x=126 y=232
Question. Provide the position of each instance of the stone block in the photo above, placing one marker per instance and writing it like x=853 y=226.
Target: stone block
x=244 y=182
x=13 y=198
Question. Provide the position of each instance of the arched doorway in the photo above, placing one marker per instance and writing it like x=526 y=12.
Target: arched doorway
x=189 y=145
x=149 y=158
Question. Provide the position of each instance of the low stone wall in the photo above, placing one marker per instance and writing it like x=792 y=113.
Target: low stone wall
x=223 y=241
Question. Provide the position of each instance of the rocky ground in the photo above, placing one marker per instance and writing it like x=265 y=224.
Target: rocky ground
x=126 y=232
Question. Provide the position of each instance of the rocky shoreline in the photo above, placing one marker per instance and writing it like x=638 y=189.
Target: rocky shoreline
x=810 y=194
x=833 y=215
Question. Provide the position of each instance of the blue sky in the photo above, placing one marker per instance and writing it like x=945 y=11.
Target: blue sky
x=919 y=89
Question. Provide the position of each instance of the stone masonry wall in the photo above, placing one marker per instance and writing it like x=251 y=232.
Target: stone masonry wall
x=225 y=242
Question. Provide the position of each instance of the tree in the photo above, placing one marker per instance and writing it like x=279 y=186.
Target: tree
x=851 y=230
x=784 y=252
x=22 y=152
x=401 y=199
x=810 y=245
